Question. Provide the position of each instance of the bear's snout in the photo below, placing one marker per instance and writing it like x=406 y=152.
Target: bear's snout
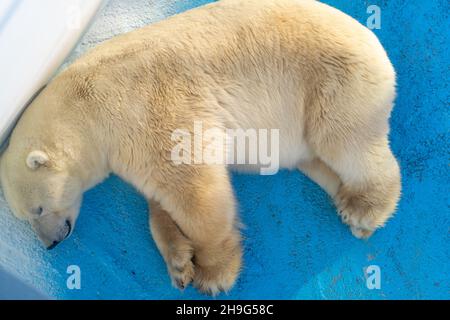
x=51 y=238
x=68 y=226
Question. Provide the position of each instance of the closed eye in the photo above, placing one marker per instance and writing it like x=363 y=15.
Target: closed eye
x=37 y=211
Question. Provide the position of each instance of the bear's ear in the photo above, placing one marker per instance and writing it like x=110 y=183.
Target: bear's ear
x=36 y=158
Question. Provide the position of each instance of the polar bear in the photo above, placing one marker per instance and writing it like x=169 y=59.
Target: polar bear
x=302 y=67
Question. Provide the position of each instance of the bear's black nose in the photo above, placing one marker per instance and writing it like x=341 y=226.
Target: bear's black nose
x=54 y=244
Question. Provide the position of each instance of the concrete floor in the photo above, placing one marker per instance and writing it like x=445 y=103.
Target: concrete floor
x=295 y=245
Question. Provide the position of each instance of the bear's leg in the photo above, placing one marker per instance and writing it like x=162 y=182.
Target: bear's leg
x=370 y=186
x=201 y=202
x=174 y=246
x=321 y=174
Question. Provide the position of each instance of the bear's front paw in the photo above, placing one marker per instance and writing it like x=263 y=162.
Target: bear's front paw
x=220 y=275
x=180 y=265
x=364 y=211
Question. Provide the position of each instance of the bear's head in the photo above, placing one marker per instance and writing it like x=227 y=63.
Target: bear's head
x=41 y=191
x=39 y=177
x=54 y=155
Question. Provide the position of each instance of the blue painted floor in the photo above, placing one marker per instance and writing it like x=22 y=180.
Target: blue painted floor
x=295 y=245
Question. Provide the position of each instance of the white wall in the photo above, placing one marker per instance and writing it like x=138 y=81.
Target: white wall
x=35 y=38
